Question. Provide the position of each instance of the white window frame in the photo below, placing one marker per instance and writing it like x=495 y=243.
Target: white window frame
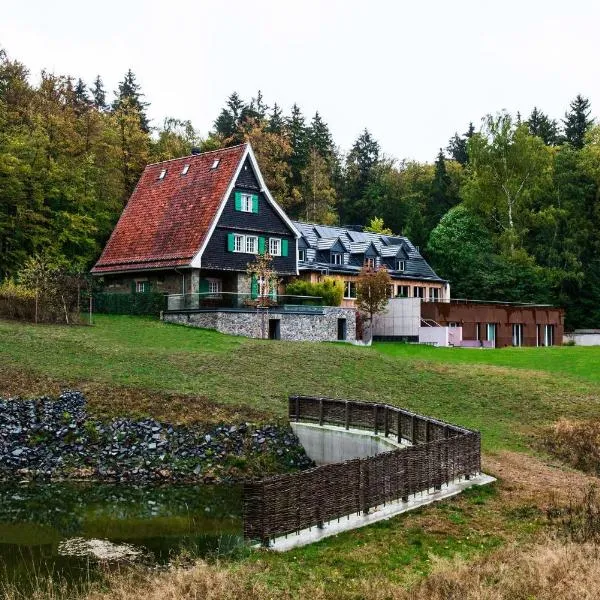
x=370 y=262
x=405 y=288
x=420 y=291
x=239 y=243
x=453 y=324
x=302 y=255
x=491 y=328
x=275 y=246
x=246 y=200
x=400 y=265
x=517 y=335
x=140 y=285
x=251 y=241
x=215 y=288
x=337 y=258
x=349 y=286
x=434 y=294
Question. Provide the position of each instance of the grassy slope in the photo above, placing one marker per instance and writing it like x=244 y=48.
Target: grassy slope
x=507 y=398
x=140 y=354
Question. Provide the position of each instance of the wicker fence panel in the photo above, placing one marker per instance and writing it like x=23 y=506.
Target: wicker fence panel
x=440 y=453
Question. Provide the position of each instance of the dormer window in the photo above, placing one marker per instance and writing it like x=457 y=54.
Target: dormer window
x=370 y=262
x=336 y=258
x=162 y=174
x=400 y=265
x=185 y=169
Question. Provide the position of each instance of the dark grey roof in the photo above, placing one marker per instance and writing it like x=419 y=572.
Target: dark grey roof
x=321 y=237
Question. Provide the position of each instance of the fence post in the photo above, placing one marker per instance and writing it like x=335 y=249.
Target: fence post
x=297 y=409
x=427 y=431
x=364 y=486
x=375 y=406
x=413 y=429
x=320 y=411
x=399 y=425
x=347 y=415
x=386 y=425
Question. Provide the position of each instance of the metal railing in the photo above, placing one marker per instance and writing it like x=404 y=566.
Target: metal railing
x=234 y=300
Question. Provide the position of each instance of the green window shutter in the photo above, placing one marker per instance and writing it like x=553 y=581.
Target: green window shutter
x=203 y=286
x=254 y=287
x=273 y=290
x=284 y=247
x=230 y=242
x=261 y=245
x=238 y=201
x=255 y=204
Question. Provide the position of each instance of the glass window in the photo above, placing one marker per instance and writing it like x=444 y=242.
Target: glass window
x=142 y=287
x=215 y=288
x=370 y=262
x=402 y=291
x=185 y=169
x=302 y=255
x=251 y=244
x=434 y=294
x=247 y=203
x=162 y=174
x=274 y=246
x=238 y=243
x=400 y=265
x=349 y=289
x=517 y=334
x=336 y=258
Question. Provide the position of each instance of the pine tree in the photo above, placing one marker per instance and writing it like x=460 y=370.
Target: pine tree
x=276 y=121
x=232 y=117
x=297 y=136
x=129 y=93
x=440 y=200
x=319 y=137
x=542 y=126
x=99 y=94
x=577 y=121
x=81 y=97
x=457 y=146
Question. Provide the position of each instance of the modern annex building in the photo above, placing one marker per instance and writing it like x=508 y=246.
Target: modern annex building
x=193 y=224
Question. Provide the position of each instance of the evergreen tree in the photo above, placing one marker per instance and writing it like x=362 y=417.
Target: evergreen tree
x=81 y=98
x=577 y=121
x=276 y=121
x=228 y=124
x=257 y=109
x=298 y=139
x=542 y=126
x=319 y=137
x=129 y=94
x=441 y=199
x=99 y=94
x=457 y=146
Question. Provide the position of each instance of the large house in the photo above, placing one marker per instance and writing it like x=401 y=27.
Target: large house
x=193 y=224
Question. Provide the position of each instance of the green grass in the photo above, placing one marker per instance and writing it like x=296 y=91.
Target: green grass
x=574 y=361
x=506 y=398
x=136 y=365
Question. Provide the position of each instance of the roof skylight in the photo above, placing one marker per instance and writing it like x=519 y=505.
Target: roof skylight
x=162 y=174
x=186 y=168
x=215 y=164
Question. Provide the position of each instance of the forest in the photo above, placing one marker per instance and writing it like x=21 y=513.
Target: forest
x=508 y=210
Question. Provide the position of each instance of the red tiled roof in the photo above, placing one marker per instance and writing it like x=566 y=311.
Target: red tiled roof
x=166 y=221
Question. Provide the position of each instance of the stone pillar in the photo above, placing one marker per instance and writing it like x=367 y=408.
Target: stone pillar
x=194 y=301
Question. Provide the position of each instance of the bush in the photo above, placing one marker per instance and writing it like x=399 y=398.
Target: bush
x=330 y=291
x=576 y=443
x=147 y=303
x=16 y=302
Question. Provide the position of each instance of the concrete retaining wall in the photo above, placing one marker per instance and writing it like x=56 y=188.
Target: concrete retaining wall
x=327 y=444
x=293 y=326
x=583 y=338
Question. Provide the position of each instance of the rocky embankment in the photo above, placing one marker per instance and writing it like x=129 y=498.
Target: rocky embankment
x=56 y=439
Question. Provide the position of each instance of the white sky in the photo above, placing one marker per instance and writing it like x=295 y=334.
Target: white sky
x=411 y=72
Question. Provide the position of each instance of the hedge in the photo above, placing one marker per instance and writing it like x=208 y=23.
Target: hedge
x=144 y=303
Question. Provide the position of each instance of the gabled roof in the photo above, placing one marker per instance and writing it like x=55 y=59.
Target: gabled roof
x=169 y=220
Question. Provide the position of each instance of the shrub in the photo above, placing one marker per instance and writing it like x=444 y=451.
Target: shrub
x=575 y=442
x=330 y=291
x=147 y=303
x=16 y=302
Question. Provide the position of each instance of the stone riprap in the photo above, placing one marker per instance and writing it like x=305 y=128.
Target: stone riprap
x=321 y=326
x=55 y=438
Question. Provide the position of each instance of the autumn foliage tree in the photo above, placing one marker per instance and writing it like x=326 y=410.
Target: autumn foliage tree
x=372 y=292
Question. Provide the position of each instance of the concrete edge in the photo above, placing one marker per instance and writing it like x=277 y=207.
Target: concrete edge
x=381 y=513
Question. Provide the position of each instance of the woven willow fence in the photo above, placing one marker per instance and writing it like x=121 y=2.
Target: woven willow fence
x=439 y=454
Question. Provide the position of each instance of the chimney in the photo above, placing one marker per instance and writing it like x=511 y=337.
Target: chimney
x=196 y=151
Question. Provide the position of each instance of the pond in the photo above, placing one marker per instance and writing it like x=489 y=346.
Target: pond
x=64 y=529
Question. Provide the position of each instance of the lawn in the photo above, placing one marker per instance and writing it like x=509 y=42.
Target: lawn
x=139 y=366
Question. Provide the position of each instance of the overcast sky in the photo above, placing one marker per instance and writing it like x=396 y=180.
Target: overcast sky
x=411 y=72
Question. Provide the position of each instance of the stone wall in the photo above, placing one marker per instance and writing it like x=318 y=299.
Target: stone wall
x=293 y=326
x=55 y=438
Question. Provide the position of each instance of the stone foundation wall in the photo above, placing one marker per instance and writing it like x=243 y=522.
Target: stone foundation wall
x=311 y=327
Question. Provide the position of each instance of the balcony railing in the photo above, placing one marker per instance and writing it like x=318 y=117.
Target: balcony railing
x=240 y=301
